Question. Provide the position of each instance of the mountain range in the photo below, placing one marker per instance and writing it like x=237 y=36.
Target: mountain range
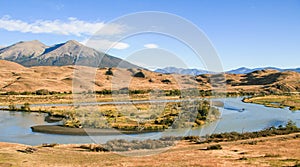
x=244 y=70
x=175 y=70
x=35 y=53
x=195 y=72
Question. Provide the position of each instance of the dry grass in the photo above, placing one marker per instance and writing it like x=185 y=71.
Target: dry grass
x=14 y=77
x=183 y=154
x=17 y=78
x=67 y=98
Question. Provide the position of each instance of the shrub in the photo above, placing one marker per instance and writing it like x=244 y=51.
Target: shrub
x=233 y=136
x=250 y=142
x=214 y=147
x=166 y=81
x=272 y=155
x=175 y=92
x=12 y=93
x=49 y=145
x=42 y=92
x=25 y=107
x=124 y=145
x=297 y=164
x=192 y=138
x=109 y=72
x=139 y=74
x=94 y=148
x=72 y=123
x=243 y=158
x=12 y=107
x=291 y=125
x=153 y=116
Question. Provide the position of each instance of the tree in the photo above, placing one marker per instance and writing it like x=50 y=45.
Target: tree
x=25 y=107
x=139 y=74
x=109 y=72
x=291 y=125
x=12 y=107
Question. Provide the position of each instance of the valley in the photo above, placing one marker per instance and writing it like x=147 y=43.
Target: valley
x=149 y=83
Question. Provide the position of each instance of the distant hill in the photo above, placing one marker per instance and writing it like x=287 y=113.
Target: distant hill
x=175 y=70
x=35 y=53
x=244 y=70
x=294 y=69
x=17 y=78
x=194 y=72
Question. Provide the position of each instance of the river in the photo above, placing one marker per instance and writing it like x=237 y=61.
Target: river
x=15 y=126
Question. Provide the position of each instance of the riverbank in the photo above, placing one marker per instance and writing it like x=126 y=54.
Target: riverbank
x=69 y=98
x=56 y=129
x=251 y=152
x=276 y=101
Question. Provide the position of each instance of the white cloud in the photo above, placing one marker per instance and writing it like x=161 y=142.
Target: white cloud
x=72 y=26
x=105 y=44
x=151 y=46
x=121 y=45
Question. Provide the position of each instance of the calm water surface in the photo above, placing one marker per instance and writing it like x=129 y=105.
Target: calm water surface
x=15 y=126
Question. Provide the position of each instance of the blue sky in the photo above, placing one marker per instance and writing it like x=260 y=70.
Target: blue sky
x=251 y=33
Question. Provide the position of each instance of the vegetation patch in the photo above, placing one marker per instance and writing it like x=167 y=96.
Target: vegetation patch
x=214 y=147
x=276 y=101
x=272 y=155
x=124 y=145
x=49 y=145
x=139 y=118
x=109 y=72
x=139 y=74
x=243 y=158
x=289 y=128
x=28 y=150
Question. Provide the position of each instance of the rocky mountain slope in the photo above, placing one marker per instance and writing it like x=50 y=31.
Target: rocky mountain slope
x=17 y=78
x=35 y=53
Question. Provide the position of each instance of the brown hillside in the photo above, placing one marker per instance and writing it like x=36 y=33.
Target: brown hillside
x=269 y=81
x=15 y=77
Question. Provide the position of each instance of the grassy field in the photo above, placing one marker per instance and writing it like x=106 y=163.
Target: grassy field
x=145 y=116
x=277 y=101
x=250 y=152
x=66 y=98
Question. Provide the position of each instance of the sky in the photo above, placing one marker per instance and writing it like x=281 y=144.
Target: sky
x=244 y=33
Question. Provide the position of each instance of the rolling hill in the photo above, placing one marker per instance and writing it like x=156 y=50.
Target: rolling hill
x=17 y=78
